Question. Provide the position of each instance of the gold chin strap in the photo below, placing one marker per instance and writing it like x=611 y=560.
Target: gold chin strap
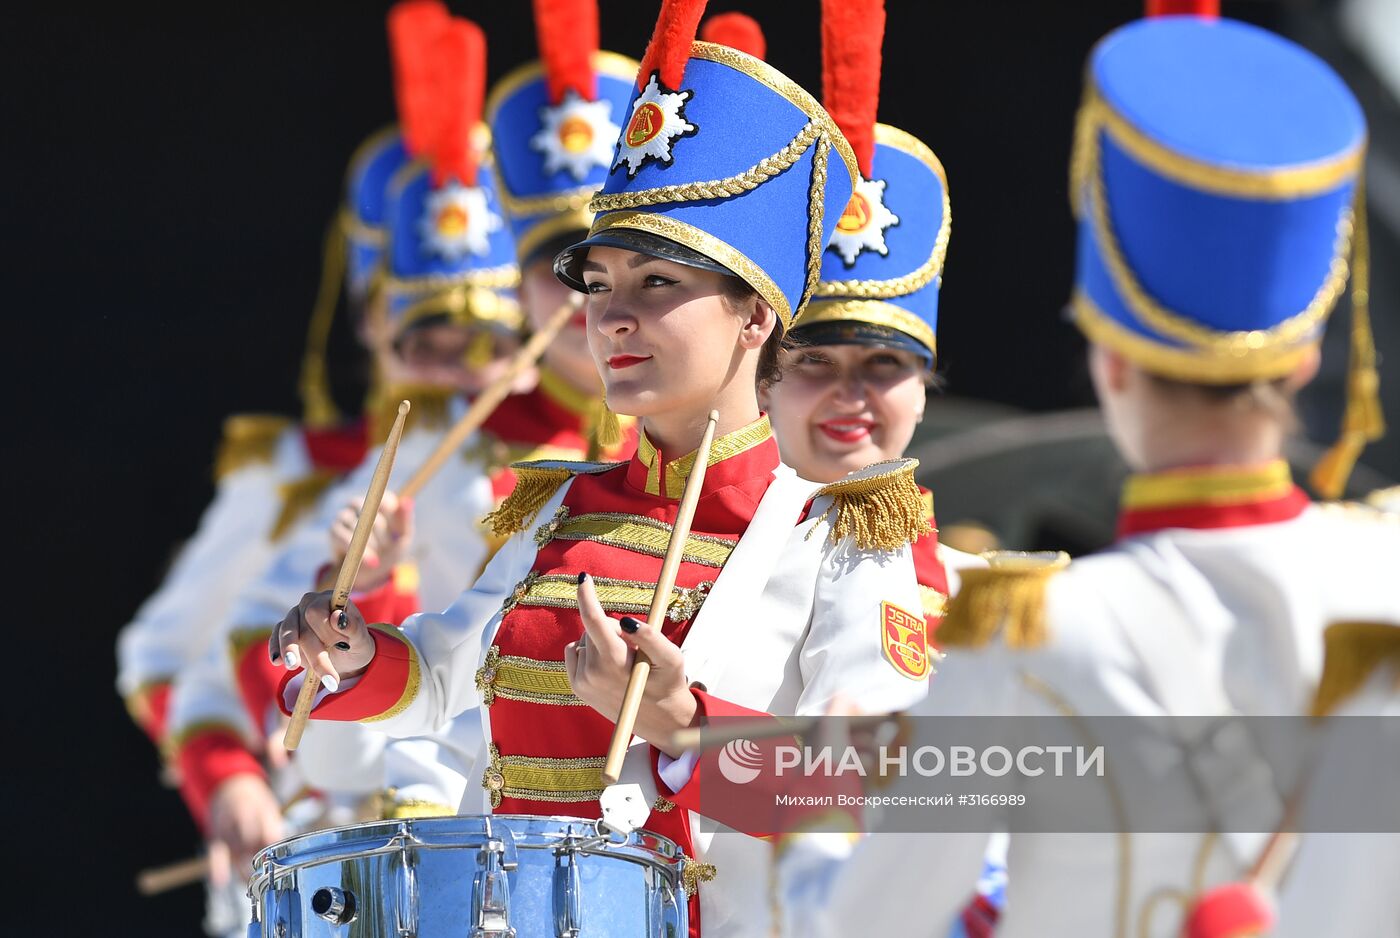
x=1362 y=422
x=318 y=406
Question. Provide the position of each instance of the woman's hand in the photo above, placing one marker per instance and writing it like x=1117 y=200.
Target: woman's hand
x=389 y=540
x=337 y=650
x=244 y=817
x=600 y=663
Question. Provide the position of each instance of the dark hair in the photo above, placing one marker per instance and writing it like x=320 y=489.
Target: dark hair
x=737 y=293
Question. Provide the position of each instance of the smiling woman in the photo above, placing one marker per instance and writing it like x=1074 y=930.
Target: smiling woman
x=789 y=594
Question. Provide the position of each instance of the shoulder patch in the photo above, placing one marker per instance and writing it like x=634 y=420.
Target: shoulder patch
x=536 y=482
x=1007 y=596
x=248 y=439
x=1352 y=653
x=879 y=507
x=904 y=640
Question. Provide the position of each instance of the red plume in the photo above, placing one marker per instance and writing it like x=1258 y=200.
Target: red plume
x=413 y=25
x=459 y=77
x=737 y=31
x=567 y=33
x=1210 y=8
x=852 y=32
x=669 y=48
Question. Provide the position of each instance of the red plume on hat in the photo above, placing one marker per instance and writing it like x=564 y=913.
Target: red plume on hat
x=852 y=32
x=669 y=48
x=413 y=25
x=1210 y=8
x=737 y=31
x=458 y=65
x=567 y=34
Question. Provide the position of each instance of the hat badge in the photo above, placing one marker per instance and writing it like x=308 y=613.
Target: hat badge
x=863 y=222
x=657 y=119
x=457 y=221
x=575 y=136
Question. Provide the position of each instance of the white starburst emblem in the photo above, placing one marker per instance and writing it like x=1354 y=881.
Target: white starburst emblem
x=577 y=135
x=457 y=221
x=863 y=223
x=656 y=122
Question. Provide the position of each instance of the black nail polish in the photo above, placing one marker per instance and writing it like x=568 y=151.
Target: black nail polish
x=581 y=578
x=341 y=620
x=630 y=625
x=275 y=656
x=343 y=646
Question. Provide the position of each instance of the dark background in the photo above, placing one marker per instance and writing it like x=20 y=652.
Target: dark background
x=169 y=174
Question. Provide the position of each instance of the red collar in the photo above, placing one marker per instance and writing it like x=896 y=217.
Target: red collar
x=735 y=457
x=1209 y=497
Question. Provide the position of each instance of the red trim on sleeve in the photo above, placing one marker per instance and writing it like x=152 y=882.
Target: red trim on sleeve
x=258 y=680
x=392 y=677
x=153 y=711
x=206 y=761
x=388 y=603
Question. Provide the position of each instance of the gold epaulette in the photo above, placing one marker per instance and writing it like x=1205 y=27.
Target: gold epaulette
x=1352 y=653
x=1008 y=595
x=248 y=438
x=431 y=410
x=299 y=496
x=536 y=482
x=879 y=506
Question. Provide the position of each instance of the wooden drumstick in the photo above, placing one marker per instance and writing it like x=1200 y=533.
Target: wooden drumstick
x=708 y=737
x=488 y=400
x=159 y=879
x=641 y=667
x=349 y=569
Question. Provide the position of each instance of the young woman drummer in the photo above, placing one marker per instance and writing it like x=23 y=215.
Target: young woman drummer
x=727 y=183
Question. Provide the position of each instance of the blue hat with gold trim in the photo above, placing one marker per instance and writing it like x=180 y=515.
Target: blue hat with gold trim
x=882 y=271
x=1216 y=177
x=450 y=252
x=728 y=157
x=554 y=123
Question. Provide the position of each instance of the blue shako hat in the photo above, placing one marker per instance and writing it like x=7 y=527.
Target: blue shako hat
x=450 y=252
x=726 y=156
x=553 y=125
x=882 y=270
x=1215 y=177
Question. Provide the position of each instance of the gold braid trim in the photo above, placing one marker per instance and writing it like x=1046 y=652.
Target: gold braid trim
x=1353 y=652
x=240 y=640
x=693 y=873
x=248 y=438
x=432 y=408
x=1006 y=596
x=298 y=497
x=816 y=213
x=880 y=510
x=553 y=203
x=535 y=484
x=748 y=180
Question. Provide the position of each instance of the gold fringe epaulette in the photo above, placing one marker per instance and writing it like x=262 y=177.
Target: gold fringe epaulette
x=535 y=484
x=879 y=506
x=1007 y=596
x=248 y=439
x=1352 y=653
x=431 y=410
x=298 y=497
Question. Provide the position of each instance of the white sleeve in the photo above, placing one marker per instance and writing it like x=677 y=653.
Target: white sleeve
x=227 y=550
x=845 y=651
x=435 y=772
x=450 y=645
x=205 y=693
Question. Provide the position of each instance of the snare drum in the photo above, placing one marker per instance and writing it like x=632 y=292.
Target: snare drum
x=492 y=876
